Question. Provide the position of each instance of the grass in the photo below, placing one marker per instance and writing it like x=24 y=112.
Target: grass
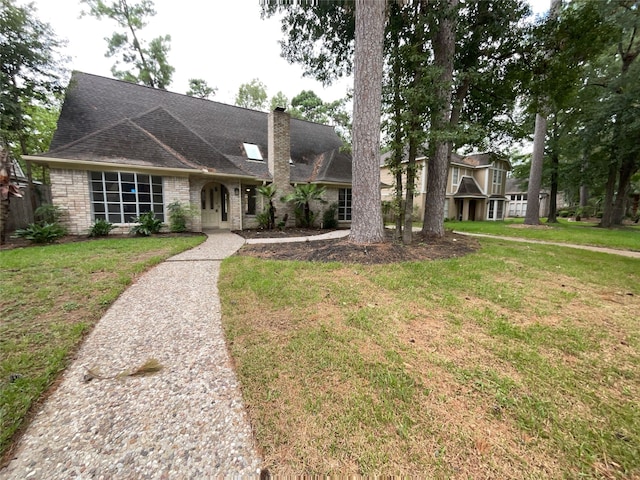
x=581 y=233
x=51 y=298
x=514 y=362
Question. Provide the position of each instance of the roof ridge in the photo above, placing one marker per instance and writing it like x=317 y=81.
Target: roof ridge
x=189 y=129
x=92 y=134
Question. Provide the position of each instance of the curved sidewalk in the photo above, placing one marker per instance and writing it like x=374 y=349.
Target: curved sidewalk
x=186 y=421
x=613 y=251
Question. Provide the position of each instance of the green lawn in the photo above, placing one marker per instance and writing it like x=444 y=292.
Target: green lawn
x=51 y=297
x=582 y=233
x=518 y=361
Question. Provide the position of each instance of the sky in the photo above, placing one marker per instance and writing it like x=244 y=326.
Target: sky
x=225 y=43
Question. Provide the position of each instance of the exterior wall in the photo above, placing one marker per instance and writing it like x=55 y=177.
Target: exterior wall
x=70 y=192
x=279 y=152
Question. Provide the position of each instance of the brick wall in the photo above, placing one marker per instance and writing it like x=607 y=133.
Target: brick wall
x=70 y=191
x=279 y=153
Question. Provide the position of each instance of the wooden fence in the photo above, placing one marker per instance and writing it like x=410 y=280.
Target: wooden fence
x=20 y=210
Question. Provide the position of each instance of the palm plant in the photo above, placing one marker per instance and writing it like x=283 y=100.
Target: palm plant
x=269 y=193
x=302 y=196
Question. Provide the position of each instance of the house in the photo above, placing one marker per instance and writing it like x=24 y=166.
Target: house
x=516 y=193
x=475 y=186
x=122 y=149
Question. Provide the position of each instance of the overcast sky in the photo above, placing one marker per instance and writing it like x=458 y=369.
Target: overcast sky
x=225 y=43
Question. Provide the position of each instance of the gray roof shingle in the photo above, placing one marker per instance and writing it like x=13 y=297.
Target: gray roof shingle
x=111 y=120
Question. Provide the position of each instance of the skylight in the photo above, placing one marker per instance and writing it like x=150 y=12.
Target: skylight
x=252 y=150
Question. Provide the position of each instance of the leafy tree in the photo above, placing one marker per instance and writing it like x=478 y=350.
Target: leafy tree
x=302 y=197
x=252 y=95
x=309 y=106
x=200 y=88
x=278 y=100
x=147 y=64
x=31 y=77
x=366 y=226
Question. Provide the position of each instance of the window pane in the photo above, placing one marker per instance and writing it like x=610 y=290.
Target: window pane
x=127 y=195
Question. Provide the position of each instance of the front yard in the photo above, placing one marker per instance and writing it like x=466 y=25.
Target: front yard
x=517 y=361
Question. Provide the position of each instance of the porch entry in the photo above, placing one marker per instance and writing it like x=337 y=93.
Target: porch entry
x=214 y=202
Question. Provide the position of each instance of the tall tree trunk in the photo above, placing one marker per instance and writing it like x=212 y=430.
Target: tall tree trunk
x=398 y=148
x=627 y=169
x=366 y=226
x=532 y=216
x=553 y=195
x=407 y=233
x=607 y=207
x=555 y=163
x=444 y=45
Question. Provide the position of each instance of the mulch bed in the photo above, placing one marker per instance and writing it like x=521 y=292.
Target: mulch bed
x=343 y=250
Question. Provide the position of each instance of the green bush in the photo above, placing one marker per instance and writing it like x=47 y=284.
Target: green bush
x=46 y=228
x=146 y=224
x=179 y=213
x=264 y=219
x=42 y=232
x=101 y=228
x=329 y=216
x=48 y=214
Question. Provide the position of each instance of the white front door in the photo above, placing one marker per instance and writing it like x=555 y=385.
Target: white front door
x=214 y=200
x=210 y=203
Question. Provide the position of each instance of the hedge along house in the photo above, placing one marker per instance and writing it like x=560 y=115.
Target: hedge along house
x=122 y=149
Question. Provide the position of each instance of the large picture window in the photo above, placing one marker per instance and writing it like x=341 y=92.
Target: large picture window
x=344 y=204
x=119 y=197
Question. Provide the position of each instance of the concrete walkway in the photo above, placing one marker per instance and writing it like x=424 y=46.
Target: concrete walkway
x=322 y=236
x=186 y=421
x=613 y=251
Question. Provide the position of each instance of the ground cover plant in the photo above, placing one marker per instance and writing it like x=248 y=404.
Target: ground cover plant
x=565 y=231
x=516 y=361
x=51 y=297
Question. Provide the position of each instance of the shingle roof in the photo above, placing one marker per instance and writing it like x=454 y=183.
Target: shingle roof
x=468 y=188
x=110 y=120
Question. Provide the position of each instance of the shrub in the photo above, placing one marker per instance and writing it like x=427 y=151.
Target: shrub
x=146 y=224
x=101 y=228
x=42 y=232
x=264 y=219
x=329 y=216
x=179 y=213
x=47 y=228
x=48 y=214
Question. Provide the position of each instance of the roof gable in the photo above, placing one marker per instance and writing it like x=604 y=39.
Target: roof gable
x=197 y=132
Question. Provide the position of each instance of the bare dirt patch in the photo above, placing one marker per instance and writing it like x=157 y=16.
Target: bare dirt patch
x=345 y=251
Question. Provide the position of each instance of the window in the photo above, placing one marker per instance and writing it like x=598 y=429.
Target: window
x=252 y=151
x=498 y=173
x=455 y=176
x=344 y=204
x=119 y=197
x=249 y=199
x=496 y=210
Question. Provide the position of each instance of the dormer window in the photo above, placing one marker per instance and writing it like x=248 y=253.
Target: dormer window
x=252 y=151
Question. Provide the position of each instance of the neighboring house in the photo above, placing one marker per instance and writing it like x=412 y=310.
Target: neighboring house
x=475 y=186
x=122 y=149
x=516 y=193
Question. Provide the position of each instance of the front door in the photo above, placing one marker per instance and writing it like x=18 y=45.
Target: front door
x=214 y=199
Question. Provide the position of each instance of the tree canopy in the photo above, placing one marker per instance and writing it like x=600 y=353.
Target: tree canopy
x=143 y=63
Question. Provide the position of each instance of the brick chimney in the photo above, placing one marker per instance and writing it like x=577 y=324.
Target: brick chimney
x=279 y=155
